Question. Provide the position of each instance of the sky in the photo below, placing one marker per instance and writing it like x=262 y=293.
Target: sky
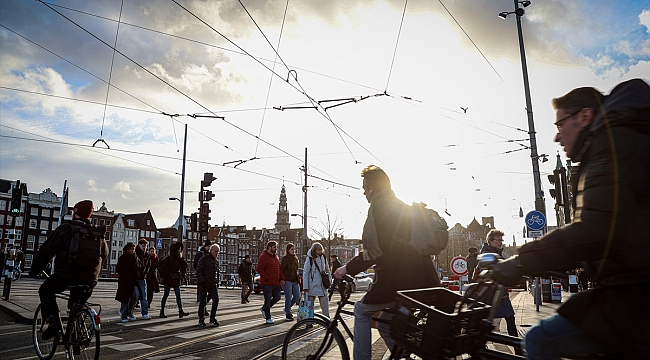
x=251 y=65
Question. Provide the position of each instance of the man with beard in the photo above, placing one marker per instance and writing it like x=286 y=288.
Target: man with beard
x=271 y=278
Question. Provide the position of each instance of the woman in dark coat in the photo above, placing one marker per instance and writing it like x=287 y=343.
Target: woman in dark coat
x=152 y=278
x=127 y=268
x=172 y=269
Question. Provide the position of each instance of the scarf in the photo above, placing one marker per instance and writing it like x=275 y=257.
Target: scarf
x=369 y=238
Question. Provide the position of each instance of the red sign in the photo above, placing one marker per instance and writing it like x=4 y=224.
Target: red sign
x=459 y=265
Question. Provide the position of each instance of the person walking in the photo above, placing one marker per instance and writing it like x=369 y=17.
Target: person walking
x=472 y=262
x=336 y=283
x=204 y=250
x=246 y=273
x=127 y=281
x=291 y=286
x=144 y=264
x=314 y=270
x=271 y=278
x=152 y=278
x=172 y=269
x=206 y=274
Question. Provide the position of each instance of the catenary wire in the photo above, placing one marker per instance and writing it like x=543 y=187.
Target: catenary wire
x=399 y=32
x=110 y=74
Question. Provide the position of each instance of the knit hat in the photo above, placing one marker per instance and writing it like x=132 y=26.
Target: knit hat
x=207 y=243
x=83 y=209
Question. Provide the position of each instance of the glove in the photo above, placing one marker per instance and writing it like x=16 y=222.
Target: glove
x=508 y=272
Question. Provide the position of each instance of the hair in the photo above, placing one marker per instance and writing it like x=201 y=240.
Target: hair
x=473 y=249
x=152 y=248
x=128 y=247
x=316 y=246
x=375 y=177
x=334 y=256
x=271 y=243
x=290 y=246
x=247 y=257
x=578 y=99
x=143 y=241
x=214 y=246
x=492 y=234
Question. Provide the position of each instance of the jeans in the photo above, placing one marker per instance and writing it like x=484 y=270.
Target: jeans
x=324 y=304
x=204 y=299
x=142 y=292
x=555 y=337
x=177 y=292
x=362 y=327
x=271 y=297
x=291 y=295
x=56 y=284
x=244 y=293
x=126 y=309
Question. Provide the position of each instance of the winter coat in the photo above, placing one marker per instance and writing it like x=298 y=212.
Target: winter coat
x=289 y=266
x=472 y=263
x=200 y=253
x=400 y=267
x=173 y=267
x=610 y=228
x=311 y=279
x=127 y=268
x=245 y=272
x=268 y=266
x=206 y=272
x=58 y=243
x=505 y=308
x=152 y=279
x=143 y=263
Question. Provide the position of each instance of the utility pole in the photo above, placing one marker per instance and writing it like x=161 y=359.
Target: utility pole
x=304 y=211
x=180 y=214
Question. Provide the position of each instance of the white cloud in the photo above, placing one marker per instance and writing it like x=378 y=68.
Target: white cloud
x=122 y=186
x=644 y=19
x=92 y=185
x=124 y=196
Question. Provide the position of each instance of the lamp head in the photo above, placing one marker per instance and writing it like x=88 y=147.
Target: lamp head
x=524 y=3
x=503 y=15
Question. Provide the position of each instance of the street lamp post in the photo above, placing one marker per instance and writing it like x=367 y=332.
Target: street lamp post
x=539 y=195
x=180 y=220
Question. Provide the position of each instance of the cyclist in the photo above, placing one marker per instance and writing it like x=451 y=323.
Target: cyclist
x=610 y=137
x=65 y=273
x=397 y=265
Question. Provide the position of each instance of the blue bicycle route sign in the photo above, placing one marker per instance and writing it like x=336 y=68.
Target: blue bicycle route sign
x=535 y=220
x=158 y=243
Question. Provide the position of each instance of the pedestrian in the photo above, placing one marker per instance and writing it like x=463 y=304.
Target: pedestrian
x=172 y=269
x=314 y=270
x=271 y=278
x=472 y=262
x=336 y=283
x=246 y=273
x=127 y=282
x=583 y=279
x=204 y=250
x=206 y=274
x=144 y=264
x=494 y=244
x=291 y=285
x=610 y=137
x=152 y=277
x=398 y=266
x=2 y=262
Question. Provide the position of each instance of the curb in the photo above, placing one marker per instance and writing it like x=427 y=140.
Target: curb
x=15 y=311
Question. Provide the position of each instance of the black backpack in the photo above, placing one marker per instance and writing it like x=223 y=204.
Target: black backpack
x=85 y=249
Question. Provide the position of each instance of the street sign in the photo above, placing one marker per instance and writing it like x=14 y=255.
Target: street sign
x=158 y=243
x=534 y=233
x=459 y=265
x=535 y=220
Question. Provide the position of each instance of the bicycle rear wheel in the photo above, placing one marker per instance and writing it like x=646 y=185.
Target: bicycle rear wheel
x=84 y=337
x=309 y=339
x=44 y=348
x=231 y=285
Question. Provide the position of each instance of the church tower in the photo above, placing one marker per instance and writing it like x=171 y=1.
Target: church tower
x=282 y=215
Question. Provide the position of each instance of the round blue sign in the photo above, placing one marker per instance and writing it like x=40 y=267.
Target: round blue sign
x=535 y=220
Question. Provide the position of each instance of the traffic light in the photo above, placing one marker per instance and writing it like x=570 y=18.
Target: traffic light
x=193 y=221
x=206 y=195
x=16 y=199
x=556 y=193
x=207 y=179
x=204 y=217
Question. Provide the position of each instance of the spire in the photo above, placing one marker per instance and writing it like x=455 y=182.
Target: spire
x=282 y=215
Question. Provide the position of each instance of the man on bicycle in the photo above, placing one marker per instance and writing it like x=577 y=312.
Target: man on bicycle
x=397 y=266
x=610 y=137
x=65 y=271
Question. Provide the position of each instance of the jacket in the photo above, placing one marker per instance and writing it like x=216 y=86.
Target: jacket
x=152 y=279
x=198 y=256
x=472 y=263
x=245 y=272
x=206 y=271
x=268 y=266
x=144 y=263
x=609 y=231
x=505 y=308
x=400 y=267
x=289 y=266
x=173 y=267
x=58 y=244
x=127 y=269
x=311 y=277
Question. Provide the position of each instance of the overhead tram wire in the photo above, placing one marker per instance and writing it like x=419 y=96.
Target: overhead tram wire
x=399 y=32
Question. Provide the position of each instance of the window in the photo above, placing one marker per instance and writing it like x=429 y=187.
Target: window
x=148 y=222
x=113 y=255
x=19 y=221
x=114 y=243
x=46 y=212
x=143 y=233
x=114 y=234
x=34 y=211
x=108 y=223
x=56 y=214
x=19 y=235
x=130 y=222
x=30 y=242
x=28 y=261
x=41 y=240
x=9 y=220
x=33 y=223
x=45 y=225
x=2 y=219
x=95 y=221
x=3 y=205
x=101 y=221
x=120 y=243
x=1 y=233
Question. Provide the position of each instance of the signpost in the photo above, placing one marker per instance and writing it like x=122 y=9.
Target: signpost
x=459 y=267
x=535 y=224
x=158 y=243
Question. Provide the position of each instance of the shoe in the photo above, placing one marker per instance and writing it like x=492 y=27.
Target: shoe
x=125 y=320
x=263 y=314
x=201 y=323
x=182 y=313
x=52 y=331
x=146 y=317
x=162 y=315
x=137 y=306
x=269 y=321
x=131 y=317
x=206 y=313
x=289 y=317
x=247 y=300
x=243 y=301
x=214 y=322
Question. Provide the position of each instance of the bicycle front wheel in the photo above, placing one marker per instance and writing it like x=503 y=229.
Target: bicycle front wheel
x=232 y=285
x=309 y=339
x=84 y=338
x=44 y=348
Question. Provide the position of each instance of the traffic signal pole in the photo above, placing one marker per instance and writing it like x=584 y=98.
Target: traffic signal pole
x=10 y=256
x=182 y=201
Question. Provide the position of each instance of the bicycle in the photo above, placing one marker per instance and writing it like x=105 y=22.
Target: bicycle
x=16 y=274
x=81 y=336
x=313 y=338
